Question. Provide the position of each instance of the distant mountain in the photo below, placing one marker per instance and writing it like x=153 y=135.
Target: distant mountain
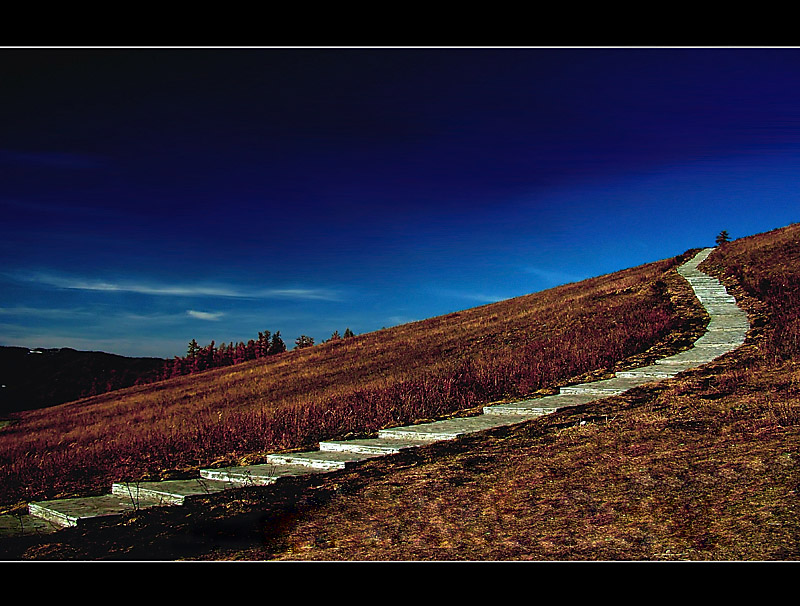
x=37 y=378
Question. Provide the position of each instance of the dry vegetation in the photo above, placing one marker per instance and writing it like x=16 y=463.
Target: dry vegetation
x=350 y=387
x=704 y=466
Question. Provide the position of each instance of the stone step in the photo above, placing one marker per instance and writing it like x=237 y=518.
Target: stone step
x=721 y=337
x=616 y=385
x=25 y=525
x=448 y=429
x=697 y=356
x=369 y=445
x=715 y=298
x=540 y=406
x=706 y=285
x=262 y=474
x=718 y=309
x=316 y=459
x=730 y=323
x=77 y=511
x=656 y=371
x=520 y=409
x=170 y=492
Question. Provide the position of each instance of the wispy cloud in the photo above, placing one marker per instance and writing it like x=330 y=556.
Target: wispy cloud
x=299 y=293
x=41 y=312
x=552 y=276
x=473 y=296
x=204 y=315
x=180 y=290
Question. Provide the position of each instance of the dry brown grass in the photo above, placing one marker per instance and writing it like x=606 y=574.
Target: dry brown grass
x=704 y=466
x=355 y=386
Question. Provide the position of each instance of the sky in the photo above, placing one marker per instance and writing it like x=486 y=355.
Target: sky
x=150 y=196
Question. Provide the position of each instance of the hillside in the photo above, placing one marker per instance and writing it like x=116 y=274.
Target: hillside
x=701 y=466
x=46 y=377
x=354 y=386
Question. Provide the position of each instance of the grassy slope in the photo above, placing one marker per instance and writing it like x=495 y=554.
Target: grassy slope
x=396 y=376
x=704 y=466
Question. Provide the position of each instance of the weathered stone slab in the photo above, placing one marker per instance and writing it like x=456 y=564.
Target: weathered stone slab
x=696 y=357
x=316 y=459
x=448 y=429
x=616 y=385
x=656 y=371
x=369 y=445
x=256 y=475
x=721 y=337
x=72 y=512
x=25 y=525
x=733 y=321
x=170 y=492
x=541 y=406
x=519 y=410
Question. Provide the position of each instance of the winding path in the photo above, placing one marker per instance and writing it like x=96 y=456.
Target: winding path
x=726 y=331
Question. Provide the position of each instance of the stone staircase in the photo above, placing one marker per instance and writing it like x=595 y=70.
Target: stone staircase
x=726 y=331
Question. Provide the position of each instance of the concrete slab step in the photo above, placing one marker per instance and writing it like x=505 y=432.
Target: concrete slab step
x=448 y=429
x=707 y=286
x=316 y=459
x=655 y=371
x=73 y=512
x=369 y=445
x=25 y=525
x=720 y=307
x=720 y=338
x=733 y=316
x=541 y=406
x=170 y=492
x=728 y=323
x=612 y=386
x=696 y=357
x=703 y=293
x=262 y=474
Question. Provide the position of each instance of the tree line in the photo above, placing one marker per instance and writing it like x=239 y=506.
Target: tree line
x=198 y=359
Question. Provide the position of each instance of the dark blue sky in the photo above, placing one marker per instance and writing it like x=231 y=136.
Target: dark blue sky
x=152 y=196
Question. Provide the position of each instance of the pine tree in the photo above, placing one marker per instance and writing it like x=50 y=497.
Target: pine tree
x=239 y=354
x=348 y=333
x=277 y=345
x=723 y=237
x=262 y=348
x=303 y=341
x=178 y=367
x=192 y=350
